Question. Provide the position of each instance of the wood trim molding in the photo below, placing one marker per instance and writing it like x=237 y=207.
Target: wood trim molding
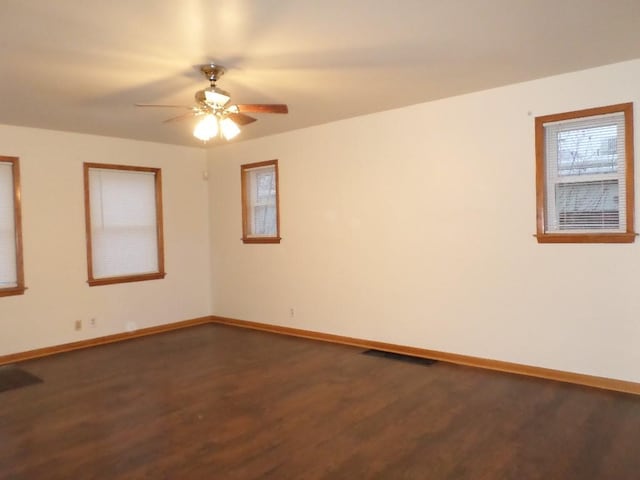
x=20 y=288
x=541 y=183
x=157 y=175
x=498 y=365
x=127 y=279
x=93 y=342
x=245 y=171
x=478 y=362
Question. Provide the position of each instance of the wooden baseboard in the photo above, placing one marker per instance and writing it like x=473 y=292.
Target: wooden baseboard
x=509 y=367
x=92 y=342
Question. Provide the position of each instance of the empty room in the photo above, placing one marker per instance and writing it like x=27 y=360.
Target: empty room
x=285 y=239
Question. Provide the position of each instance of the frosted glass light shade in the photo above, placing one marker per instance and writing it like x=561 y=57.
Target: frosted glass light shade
x=229 y=128
x=207 y=128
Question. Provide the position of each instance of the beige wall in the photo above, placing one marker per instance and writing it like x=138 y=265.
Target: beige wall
x=412 y=226
x=54 y=241
x=415 y=226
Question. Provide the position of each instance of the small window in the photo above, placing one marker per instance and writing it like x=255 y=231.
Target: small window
x=584 y=176
x=123 y=215
x=11 y=266
x=260 y=210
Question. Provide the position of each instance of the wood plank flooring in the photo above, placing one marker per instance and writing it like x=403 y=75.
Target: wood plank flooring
x=218 y=402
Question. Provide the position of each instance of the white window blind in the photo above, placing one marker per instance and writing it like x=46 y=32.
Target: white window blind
x=585 y=174
x=262 y=201
x=8 y=258
x=123 y=222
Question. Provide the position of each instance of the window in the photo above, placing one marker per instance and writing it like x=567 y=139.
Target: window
x=584 y=176
x=123 y=215
x=11 y=267
x=260 y=210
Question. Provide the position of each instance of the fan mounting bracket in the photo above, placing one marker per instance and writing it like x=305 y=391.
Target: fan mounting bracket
x=212 y=71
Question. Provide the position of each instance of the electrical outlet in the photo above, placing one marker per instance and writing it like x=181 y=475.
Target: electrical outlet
x=92 y=322
x=78 y=325
x=291 y=312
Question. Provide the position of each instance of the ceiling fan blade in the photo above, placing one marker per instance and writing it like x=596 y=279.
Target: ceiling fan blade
x=184 y=116
x=163 y=106
x=263 y=108
x=241 y=118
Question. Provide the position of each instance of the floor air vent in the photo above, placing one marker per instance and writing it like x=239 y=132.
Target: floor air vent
x=399 y=356
x=12 y=377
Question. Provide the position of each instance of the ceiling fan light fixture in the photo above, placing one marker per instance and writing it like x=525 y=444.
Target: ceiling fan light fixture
x=217 y=116
x=216 y=96
x=229 y=128
x=207 y=128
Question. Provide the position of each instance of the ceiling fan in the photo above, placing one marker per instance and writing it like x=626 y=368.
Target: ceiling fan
x=213 y=104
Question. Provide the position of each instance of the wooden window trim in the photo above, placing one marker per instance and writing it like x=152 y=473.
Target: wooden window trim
x=159 y=226
x=606 y=237
x=246 y=237
x=20 y=288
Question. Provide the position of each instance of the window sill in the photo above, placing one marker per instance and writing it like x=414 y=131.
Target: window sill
x=7 y=292
x=261 y=239
x=93 y=282
x=586 y=237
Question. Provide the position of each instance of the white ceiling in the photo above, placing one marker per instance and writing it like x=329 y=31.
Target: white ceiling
x=81 y=65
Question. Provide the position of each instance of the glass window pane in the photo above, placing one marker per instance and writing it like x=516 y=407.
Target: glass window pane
x=124 y=223
x=588 y=205
x=587 y=151
x=260 y=219
x=8 y=260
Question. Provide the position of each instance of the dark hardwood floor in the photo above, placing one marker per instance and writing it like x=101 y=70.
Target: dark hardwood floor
x=218 y=402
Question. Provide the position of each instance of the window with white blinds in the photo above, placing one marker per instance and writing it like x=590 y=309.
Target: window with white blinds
x=124 y=223
x=585 y=175
x=11 y=270
x=260 y=216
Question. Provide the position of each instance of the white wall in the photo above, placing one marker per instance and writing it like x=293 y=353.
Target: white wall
x=415 y=226
x=54 y=241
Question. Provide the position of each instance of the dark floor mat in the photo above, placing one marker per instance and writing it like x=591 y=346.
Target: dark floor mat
x=12 y=377
x=399 y=356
